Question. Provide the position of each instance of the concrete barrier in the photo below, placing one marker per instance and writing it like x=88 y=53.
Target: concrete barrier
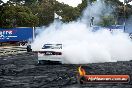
x=12 y=50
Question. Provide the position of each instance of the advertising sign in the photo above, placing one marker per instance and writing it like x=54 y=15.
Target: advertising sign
x=16 y=34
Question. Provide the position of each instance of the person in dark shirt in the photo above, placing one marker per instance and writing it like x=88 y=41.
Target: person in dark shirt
x=29 y=48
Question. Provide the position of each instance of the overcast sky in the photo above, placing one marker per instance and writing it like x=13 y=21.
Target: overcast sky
x=123 y=1
x=73 y=3
x=4 y=0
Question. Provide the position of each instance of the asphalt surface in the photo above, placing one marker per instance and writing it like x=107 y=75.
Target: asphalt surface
x=22 y=71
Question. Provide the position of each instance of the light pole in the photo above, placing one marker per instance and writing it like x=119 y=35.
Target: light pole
x=124 y=15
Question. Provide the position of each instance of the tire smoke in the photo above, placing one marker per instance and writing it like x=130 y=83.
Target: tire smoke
x=81 y=45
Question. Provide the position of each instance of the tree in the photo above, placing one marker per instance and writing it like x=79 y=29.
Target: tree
x=24 y=2
x=107 y=21
x=45 y=12
x=1 y=1
x=16 y=16
x=41 y=12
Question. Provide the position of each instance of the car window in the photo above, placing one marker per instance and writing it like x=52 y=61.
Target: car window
x=52 y=46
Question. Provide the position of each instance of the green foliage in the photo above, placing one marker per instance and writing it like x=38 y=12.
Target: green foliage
x=107 y=21
x=82 y=6
x=41 y=12
x=17 y=16
x=45 y=12
x=25 y=19
x=68 y=13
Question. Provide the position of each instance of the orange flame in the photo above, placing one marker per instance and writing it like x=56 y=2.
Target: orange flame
x=81 y=71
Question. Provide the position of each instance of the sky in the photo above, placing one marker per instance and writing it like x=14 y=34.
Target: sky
x=4 y=0
x=73 y=3
x=123 y=0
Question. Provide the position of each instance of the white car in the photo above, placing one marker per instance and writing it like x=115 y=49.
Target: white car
x=130 y=35
x=50 y=54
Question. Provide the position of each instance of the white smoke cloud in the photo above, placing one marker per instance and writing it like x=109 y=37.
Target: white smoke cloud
x=96 y=10
x=81 y=45
x=129 y=25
